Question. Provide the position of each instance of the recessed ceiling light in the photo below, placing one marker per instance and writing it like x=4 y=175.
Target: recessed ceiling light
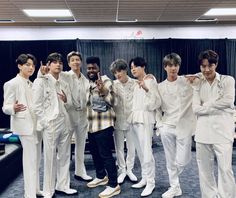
x=221 y=11
x=48 y=13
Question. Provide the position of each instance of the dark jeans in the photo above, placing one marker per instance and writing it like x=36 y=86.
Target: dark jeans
x=100 y=144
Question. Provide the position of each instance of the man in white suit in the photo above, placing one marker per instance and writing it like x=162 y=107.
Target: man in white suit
x=18 y=104
x=175 y=121
x=142 y=120
x=78 y=85
x=123 y=88
x=213 y=103
x=51 y=96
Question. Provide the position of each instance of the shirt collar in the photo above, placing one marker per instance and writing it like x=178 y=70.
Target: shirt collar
x=128 y=81
x=74 y=75
x=27 y=81
x=217 y=78
x=54 y=80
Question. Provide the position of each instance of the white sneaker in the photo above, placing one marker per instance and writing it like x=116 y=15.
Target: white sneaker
x=172 y=192
x=69 y=191
x=131 y=176
x=84 y=177
x=48 y=195
x=121 y=178
x=97 y=182
x=140 y=184
x=39 y=193
x=148 y=190
x=110 y=192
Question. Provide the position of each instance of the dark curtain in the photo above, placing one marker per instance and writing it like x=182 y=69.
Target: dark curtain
x=10 y=50
x=189 y=50
x=108 y=50
x=231 y=57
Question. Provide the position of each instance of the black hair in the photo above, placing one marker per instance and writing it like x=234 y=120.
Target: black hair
x=210 y=55
x=93 y=60
x=54 y=57
x=23 y=58
x=138 y=61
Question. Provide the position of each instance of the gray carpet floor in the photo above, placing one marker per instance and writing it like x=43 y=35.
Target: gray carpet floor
x=189 y=179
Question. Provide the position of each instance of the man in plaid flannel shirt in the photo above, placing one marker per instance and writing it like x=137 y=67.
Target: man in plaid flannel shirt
x=101 y=121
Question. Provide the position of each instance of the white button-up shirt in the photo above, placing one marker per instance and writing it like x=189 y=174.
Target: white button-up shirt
x=176 y=105
x=78 y=88
x=145 y=103
x=214 y=106
x=123 y=104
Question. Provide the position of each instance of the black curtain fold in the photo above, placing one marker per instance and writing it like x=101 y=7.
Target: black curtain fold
x=153 y=50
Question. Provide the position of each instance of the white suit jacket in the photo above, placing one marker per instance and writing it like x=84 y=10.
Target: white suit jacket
x=214 y=106
x=185 y=123
x=78 y=109
x=123 y=102
x=22 y=123
x=145 y=103
x=45 y=100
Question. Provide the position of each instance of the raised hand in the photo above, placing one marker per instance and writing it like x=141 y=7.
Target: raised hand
x=99 y=82
x=100 y=85
x=142 y=85
x=19 y=107
x=44 y=69
x=62 y=96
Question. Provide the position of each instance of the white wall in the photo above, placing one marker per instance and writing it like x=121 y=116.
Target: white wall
x=112 y=32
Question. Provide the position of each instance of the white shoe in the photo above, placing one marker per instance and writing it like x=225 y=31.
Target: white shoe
x=172 y=192
x=110 y=192
x=131 y=176
x=84 y=177
x=140 y=184
x=39 y=193
x=148 y=190
x=121 y=178
x=69 y=191
x=48 y=195
x=97 y=182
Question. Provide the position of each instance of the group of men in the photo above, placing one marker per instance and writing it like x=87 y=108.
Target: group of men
x=59 y=104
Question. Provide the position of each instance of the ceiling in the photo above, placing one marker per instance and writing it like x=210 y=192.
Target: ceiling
x=101 y=12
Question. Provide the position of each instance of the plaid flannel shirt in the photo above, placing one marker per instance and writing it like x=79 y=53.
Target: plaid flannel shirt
x=101 y=120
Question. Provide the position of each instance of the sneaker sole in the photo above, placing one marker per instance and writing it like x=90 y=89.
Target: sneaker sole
x=138 y=187
x=111 y=195
x=179 y=194
x=98 y=184
x=176 y=195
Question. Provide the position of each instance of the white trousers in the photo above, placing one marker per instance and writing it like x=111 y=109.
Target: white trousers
x=80 y=132
x=142 y=138
x=177 y=153
x=31 y=163
x=57 y=145
x=119 y=138
x=39 y=157
x=205 y=158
